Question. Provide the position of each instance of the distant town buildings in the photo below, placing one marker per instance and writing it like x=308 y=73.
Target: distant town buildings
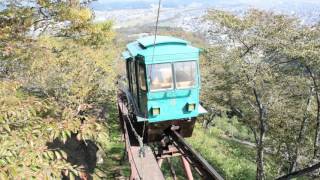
x=191 y=18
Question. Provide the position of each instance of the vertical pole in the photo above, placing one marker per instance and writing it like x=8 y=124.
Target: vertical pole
x=160 y=161
x=173 y=172
x=134 y=173
x=187 y=168
x=121 y=121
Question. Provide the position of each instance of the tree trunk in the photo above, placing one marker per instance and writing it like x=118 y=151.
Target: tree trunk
x=260 y=158
x=262 y=130
x=301 y=135
x=317 y=134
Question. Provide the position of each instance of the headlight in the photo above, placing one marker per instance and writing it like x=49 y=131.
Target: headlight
x=155 y=111
x=191 y=107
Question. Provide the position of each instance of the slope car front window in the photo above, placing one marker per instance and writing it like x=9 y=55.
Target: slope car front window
x=160 y=77
x=185 y=73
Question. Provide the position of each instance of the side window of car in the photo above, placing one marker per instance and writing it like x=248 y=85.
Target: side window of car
x=142 y=77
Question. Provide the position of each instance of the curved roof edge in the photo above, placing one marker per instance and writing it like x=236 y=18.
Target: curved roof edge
x=149 y=41
x=126 y=55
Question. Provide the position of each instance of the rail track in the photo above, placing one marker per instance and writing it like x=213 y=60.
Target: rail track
x=147 y=165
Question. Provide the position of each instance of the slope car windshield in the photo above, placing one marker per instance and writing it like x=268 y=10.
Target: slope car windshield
x=160 y=77
x=185 y=73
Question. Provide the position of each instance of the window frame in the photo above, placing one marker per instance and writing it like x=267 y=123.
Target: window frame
x=149 y=78
x=174 y=87
x=195 y=75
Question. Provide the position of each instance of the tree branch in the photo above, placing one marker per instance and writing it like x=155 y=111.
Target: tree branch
x=285 y=62
x=300 y=172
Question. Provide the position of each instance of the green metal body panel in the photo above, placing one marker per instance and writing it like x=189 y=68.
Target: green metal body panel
x=172 y=103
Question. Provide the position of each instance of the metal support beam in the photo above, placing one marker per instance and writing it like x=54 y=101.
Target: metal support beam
x=187 y=168
x=173 y=172
x=142 y=168
x=205 y=170
x=160 y=161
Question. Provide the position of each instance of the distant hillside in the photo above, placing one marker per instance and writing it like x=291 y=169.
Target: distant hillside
x=287 y=5
x=132 y=12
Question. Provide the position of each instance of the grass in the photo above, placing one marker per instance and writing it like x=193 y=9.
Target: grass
x=232 y=159
x=177 y=164
x=114 y=166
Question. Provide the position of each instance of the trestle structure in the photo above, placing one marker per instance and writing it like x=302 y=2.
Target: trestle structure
x=146 y=161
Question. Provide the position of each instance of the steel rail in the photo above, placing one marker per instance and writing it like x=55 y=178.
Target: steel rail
x=205 y=170
x=134 y=170
x=142 y=167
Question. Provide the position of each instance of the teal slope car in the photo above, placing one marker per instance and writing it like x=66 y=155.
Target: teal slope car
x=163 y=83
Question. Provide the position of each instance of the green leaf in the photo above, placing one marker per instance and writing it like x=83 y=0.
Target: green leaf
x=3 y=176
x=64 y=154
x=51 y=155
x=64 y=136
x=58 y=155
x=68 y=134
x=71 y=176
x=6 y=127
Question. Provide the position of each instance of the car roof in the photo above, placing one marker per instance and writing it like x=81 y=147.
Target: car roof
x=164 y=49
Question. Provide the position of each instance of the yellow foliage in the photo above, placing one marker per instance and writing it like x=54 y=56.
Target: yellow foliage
x=50 y=79
x=75 y=15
